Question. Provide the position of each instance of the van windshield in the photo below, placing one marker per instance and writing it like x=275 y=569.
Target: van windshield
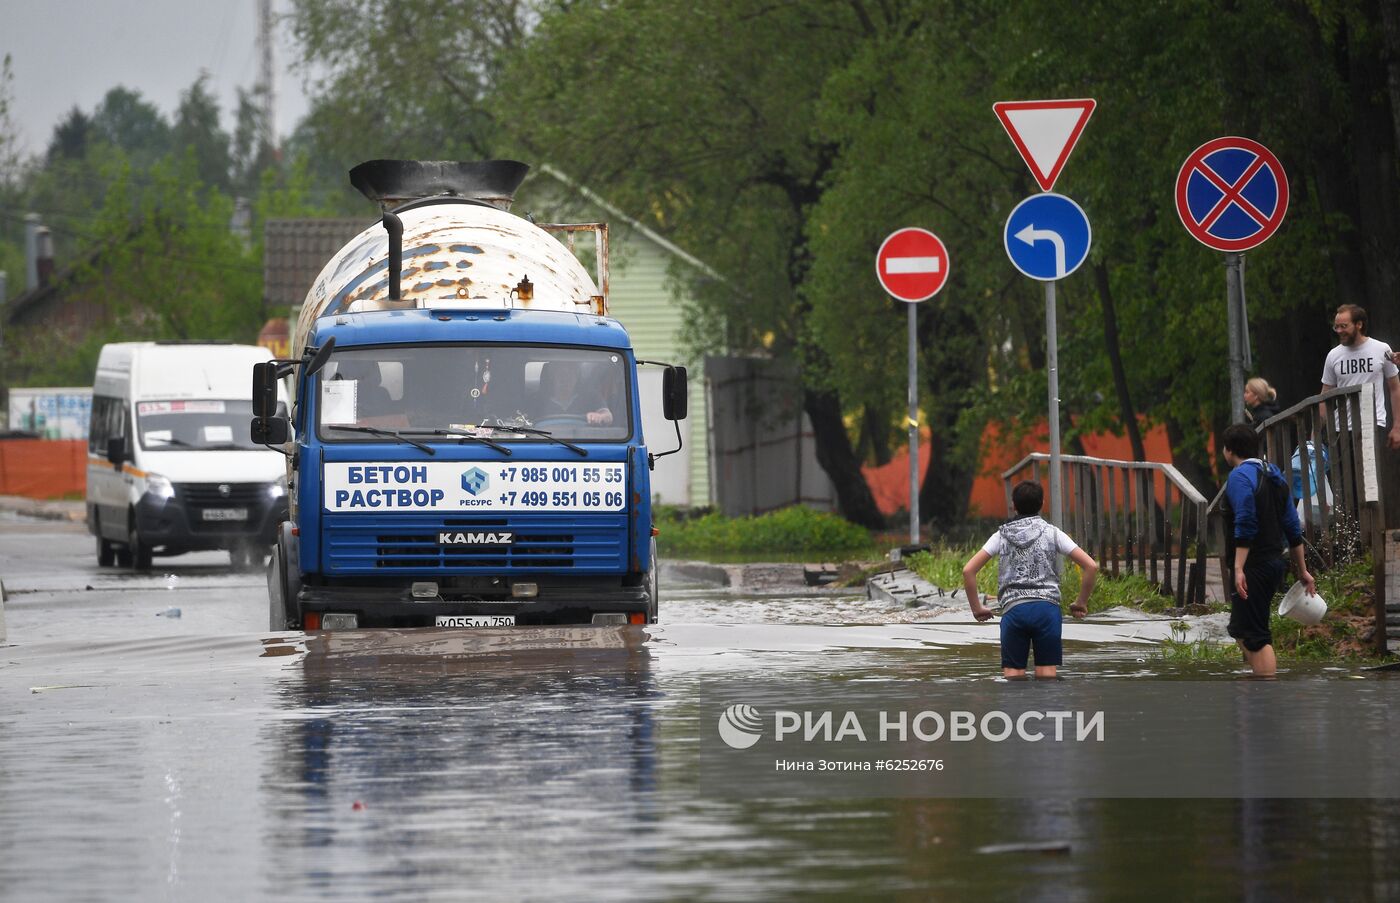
x=206 y=424
x=574 y=394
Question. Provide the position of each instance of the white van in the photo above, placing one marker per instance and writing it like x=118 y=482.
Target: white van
x=170 y=465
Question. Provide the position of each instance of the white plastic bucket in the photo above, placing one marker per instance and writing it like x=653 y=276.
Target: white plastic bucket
x=1298 y=605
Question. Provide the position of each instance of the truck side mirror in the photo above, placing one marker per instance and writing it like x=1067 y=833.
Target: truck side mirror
x=674 y=393
x=269 y=426
x=265 y=389
x=116 y=449
x=270 y=430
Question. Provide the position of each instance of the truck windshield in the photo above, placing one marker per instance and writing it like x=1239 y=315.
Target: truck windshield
x=573 y=394
x=195 y=423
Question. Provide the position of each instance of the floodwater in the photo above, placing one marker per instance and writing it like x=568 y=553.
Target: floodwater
x=551 y=764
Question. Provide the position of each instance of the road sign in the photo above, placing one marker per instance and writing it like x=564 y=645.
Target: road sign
x=1045 y=132
x=1047 y=236
x=1231 y=194
x=912 y=264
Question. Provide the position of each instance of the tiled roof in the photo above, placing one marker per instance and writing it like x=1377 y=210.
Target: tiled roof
x=295 y=250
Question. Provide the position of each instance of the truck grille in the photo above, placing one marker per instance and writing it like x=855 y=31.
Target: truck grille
x=581 y=543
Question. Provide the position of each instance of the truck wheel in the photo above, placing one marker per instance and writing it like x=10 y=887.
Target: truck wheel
x=283 y=584
x=653 y=584
x=106 y=553
x=123 y=557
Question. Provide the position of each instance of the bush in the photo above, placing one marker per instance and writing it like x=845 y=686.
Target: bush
x=798 y=529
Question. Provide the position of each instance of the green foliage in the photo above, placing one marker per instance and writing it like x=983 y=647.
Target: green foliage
x=144 y=229
x=1347 y=589
x=794 y=530
x=1178 y=649
x=942 y=566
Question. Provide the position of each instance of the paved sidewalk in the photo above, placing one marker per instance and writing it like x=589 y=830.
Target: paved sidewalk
x=48 y=509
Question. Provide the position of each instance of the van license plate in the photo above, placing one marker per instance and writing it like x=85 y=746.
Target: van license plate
x=225 y=513
x=476 y=620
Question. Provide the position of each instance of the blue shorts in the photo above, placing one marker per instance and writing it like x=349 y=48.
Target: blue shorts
x=1030 y=623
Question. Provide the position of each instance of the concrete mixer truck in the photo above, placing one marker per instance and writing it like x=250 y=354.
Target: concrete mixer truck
x=465 y=446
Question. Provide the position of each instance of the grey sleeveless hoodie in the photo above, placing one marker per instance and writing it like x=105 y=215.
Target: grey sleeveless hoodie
x=1029 y=565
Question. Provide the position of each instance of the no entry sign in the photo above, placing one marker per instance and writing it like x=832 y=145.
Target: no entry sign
x=1231 y=194
x=912 y=264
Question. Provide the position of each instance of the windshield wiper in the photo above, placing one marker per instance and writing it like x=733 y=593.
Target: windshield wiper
x=531 y=431
x=461 y=435
x=392 y=434
x=171 y=441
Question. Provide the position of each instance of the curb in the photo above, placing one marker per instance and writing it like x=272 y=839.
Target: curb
x=75 y=512
x=904 y=587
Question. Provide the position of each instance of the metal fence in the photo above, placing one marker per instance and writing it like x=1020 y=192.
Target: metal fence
x=1133 y=516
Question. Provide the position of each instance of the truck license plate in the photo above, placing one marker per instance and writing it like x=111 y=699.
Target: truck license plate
x=225 y=513
x=476 y=620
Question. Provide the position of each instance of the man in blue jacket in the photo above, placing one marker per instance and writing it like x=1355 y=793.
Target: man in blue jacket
x=1261 y=518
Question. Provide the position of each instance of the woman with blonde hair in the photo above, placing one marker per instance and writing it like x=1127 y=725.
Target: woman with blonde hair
x=1260 y=400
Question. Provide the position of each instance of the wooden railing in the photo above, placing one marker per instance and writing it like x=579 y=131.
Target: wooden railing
x=1136 y=516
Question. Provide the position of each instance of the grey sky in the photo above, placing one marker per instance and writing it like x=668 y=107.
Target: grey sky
x=67 y=52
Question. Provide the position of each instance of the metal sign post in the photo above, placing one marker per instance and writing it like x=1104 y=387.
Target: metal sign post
x=1052 y=366
x=913 y=424
x=912 y=265
x=1232 y=325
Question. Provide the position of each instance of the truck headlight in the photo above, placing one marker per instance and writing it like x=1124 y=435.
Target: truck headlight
x=159 y=486
x=277 y=488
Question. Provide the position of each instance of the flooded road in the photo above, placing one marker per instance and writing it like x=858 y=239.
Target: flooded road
x=146 y=756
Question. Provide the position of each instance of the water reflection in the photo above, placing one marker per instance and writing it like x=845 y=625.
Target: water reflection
x=443 y=759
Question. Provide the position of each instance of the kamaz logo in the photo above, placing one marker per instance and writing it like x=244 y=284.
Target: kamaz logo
x=447 y=538
x=474 y=480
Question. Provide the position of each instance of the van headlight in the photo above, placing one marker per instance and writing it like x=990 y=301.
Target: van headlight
x=277 y=488
x=159 y=486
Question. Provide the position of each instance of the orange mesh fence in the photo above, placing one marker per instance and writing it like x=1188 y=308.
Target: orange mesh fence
x=43 y=468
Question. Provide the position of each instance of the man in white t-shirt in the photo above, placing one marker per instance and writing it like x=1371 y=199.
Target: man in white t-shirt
x=1359 y=359
x=1028 y=584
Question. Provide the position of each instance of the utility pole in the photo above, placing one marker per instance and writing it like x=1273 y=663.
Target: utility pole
x=266 y=78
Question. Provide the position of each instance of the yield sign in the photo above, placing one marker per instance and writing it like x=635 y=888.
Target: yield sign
x=912 y=264
x=1231 y=194
x=1045 y=132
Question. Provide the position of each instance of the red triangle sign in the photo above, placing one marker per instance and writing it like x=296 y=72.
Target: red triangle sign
x=1045 y=132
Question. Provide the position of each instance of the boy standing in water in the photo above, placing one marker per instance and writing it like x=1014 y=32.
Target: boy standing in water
x=1028 y=584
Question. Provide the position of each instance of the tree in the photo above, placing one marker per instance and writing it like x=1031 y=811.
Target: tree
x=702 y=117
x=197 y=132
x=126 y=120
x=70 y=137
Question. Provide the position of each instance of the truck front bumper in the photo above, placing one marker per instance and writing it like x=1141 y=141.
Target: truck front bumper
x=558 y=602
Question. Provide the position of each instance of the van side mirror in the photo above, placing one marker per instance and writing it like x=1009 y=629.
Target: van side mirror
x=674 y=393
x=116 y=449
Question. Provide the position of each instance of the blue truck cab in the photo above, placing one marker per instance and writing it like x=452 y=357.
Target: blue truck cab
x=465 y=448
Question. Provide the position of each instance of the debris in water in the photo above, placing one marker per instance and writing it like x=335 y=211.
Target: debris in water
x=171 y=581
x=61 y=687
x=1043 y=846
x=168 y=613
x=358 y=806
